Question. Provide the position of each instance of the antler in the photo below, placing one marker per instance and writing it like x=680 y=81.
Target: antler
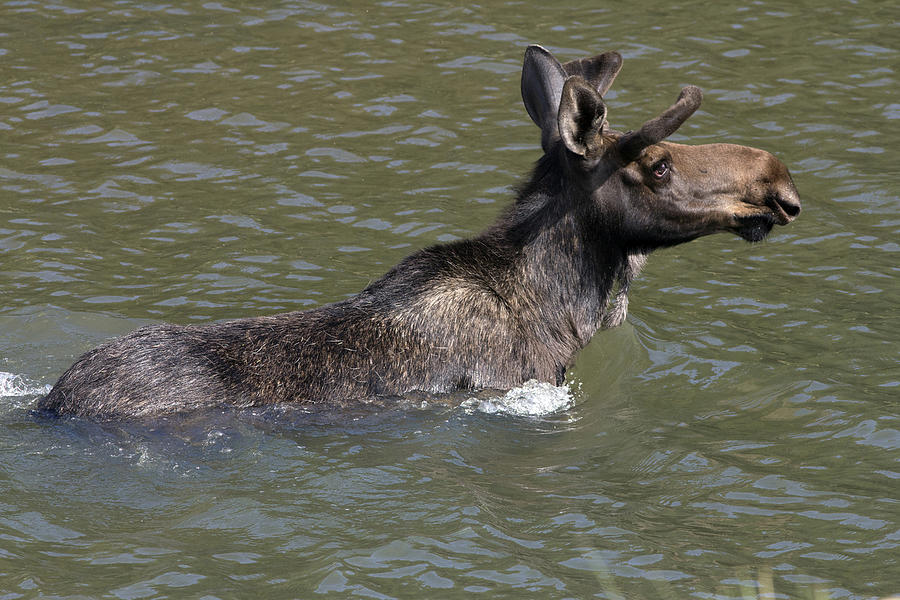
x=656 y=130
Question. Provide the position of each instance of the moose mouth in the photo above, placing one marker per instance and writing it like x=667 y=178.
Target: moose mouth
x=755 y=228
x=781 y=210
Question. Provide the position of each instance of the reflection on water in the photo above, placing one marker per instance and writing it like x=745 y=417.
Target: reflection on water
x=737 y=436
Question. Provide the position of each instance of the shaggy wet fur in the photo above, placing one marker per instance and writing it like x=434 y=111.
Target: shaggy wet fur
x=492 y=312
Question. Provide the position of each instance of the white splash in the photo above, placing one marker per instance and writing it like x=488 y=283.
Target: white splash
x=12 y=385
x=532 y=399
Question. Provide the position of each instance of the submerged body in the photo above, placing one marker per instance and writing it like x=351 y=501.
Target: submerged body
x=513 y=304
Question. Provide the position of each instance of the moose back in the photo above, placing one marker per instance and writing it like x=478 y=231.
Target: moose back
x=515 y=303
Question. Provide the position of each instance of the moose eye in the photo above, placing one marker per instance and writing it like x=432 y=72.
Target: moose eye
x=661 y=169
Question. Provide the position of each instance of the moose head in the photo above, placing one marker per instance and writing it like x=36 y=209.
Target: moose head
x=645 y=193
x=658 y=193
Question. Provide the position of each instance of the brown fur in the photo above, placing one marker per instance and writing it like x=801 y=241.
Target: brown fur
x=512 y=304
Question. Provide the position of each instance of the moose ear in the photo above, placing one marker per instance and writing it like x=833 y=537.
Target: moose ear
x=582 y=116
x=542 y=83
x=600 y=71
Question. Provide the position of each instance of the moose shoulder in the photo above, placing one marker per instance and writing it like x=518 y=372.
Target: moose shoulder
x=515 y=303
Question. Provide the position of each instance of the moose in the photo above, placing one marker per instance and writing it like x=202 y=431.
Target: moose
x=514 y=303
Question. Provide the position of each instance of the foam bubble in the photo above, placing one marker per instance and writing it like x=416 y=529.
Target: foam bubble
x=13 y=385
x=532 y=399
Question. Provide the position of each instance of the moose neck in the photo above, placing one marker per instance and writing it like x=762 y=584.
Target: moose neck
x=566 y=261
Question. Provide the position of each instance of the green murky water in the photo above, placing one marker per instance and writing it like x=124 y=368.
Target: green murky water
x=200 y=161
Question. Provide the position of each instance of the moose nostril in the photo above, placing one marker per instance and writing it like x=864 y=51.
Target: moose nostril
x=790 y=205
x=785 y=201
x=785 y=204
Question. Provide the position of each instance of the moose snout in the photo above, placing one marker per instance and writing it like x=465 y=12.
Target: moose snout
x=784 y=202
x=778 y=189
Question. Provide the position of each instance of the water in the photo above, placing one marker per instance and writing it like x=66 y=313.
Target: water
x=738 y=436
